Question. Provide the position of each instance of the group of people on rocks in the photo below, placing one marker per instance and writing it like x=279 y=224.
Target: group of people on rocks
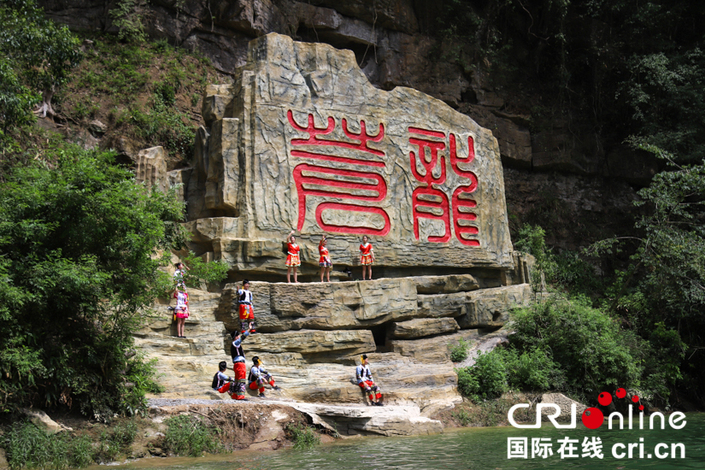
x=258 y=377
x=293 y=260
x=237 y=386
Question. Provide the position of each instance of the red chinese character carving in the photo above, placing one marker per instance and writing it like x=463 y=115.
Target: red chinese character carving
x=433 y=148
x=426 y=204
x=362 y=137
x=461 y=200
x=427 y=201
x=314 y=179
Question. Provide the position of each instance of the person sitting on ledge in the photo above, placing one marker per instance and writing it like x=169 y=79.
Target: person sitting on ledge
x=221 y=382
x=259 y=376
x=366 y=383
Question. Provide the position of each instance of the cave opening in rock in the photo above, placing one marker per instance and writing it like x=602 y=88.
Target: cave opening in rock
x=379 y=333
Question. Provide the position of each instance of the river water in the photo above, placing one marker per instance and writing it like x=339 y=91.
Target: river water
x=477 y=448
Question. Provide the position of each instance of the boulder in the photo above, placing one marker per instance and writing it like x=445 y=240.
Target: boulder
x=44 y=422
x=564 y=403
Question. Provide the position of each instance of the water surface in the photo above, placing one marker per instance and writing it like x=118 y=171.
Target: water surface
x=473 y=448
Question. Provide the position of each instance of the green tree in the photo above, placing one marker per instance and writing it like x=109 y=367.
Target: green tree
x=42 y=52
x=15 y=100
x=128 y=17
x=78 y=240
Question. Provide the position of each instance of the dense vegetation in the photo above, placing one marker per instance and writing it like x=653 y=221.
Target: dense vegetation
x=82 y=247
x=77 y=245
x=627 y=75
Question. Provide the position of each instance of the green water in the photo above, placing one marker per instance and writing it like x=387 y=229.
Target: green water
x=475 y=448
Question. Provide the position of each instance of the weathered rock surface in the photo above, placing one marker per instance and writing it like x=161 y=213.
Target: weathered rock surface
x=44 y=422
x=310 y=337
x=303 y=140
x=151 y=168
x=564 y=403
x=387 y=421
x=355 y=305
x=420 y=327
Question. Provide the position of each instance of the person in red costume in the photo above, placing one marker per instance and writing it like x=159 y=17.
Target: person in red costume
x=366 y=383
x=367 y=257
x=239 y=385
x=247 y=314
x=292 y=258
x=181 y=312
x=259 y=376
x=324 y=261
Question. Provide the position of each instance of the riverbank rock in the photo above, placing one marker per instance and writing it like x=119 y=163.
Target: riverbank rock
x=44 y=422
x=311 y=343
x=564 y=403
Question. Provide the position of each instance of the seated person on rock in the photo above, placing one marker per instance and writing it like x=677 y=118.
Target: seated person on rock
x=364 y=380
x=221 y=382
x=259 y=376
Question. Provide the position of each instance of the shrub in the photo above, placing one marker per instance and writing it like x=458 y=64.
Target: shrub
x=189 y=436
x=588 y=345
x=486 y=379
x=532 y=370
x=459 y=352
x=304 y=437
x=81 y=452
x=201 y=271
x=76 y=273
x=116 y=442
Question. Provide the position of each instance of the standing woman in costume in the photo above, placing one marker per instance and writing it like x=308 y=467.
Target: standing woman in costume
x=292 y=258
x=367 y=257
x=181 y=312
x=324 y=262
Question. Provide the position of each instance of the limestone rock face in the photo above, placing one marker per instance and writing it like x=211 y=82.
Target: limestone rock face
x=564 y=403
x=310 y=336
x=44 y=422
x=151 y=168
x=303 y=141
x=377 y=303
x=420 y=327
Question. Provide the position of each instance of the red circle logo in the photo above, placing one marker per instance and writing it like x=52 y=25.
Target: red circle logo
x=593 y=418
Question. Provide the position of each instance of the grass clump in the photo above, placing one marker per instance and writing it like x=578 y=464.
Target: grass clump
x=303 y=436
x=27 y=446
x=189 y=436
x=116 y=442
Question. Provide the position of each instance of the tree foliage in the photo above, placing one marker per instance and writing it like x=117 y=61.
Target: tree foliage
x=78 y=267
x=41 y=53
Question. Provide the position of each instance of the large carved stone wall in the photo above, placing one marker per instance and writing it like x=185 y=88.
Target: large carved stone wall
x=303 y=141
